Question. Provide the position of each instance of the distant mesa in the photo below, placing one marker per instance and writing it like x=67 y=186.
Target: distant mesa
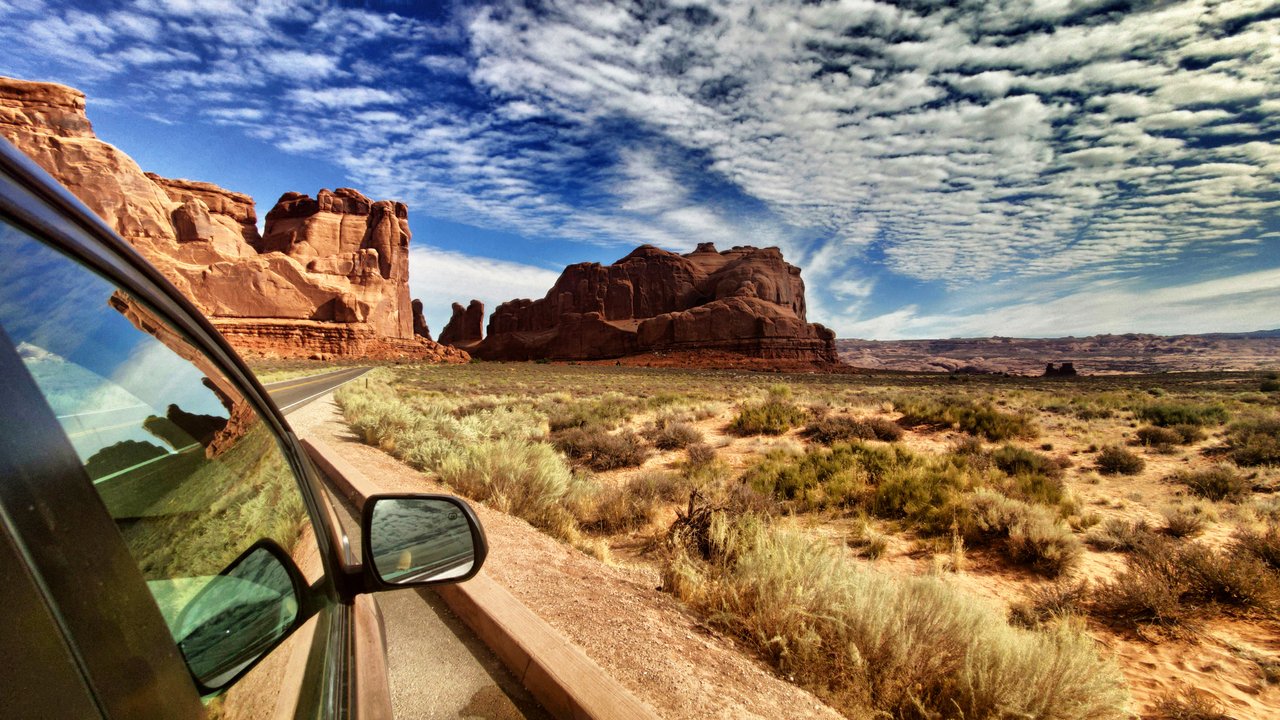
x=466 y=326
x=743 y=302
x=328 y=276
x=1066 y=369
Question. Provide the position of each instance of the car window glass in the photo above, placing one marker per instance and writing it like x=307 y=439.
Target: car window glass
x=191 y=474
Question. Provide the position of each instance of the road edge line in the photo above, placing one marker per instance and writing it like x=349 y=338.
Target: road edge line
x=568 y=683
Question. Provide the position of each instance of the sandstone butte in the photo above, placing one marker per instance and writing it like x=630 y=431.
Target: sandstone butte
x=707 y=307
x=327 y=277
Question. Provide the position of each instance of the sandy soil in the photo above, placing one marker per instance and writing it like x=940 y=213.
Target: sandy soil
x=643 y=637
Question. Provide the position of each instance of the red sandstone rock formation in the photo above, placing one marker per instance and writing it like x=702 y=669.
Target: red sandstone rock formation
x=328 y=278
x=745 y=301
x=420 y=321
x=466 y=325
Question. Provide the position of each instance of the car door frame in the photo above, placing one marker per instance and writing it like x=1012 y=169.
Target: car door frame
x=33 y=202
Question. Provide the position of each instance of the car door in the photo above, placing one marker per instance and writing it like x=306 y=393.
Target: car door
x=142 y=466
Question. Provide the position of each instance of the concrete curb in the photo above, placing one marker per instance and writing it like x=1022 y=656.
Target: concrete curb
x=570 y=685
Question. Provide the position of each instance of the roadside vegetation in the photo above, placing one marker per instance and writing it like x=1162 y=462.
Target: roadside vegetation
x=784 y=509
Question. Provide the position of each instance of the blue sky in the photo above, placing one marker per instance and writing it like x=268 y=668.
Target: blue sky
x=974 y=168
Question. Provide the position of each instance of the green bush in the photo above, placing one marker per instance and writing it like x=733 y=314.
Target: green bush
x=875 y=645
x=771 y=417
x=1168 y=414
x=814 y=480
x=1255 y=442
x=1217 y=483
x=604 y=411
x=1114 y=460
x=600 y=450
x=967 y=416
x=842 y=428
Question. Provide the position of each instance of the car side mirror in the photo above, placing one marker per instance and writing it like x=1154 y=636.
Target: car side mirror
x=239 y=616
x=415 y=540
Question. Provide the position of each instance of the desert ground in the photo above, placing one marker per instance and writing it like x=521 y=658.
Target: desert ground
x=920 y=545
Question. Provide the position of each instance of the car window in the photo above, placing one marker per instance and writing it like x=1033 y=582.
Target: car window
x=191 y=474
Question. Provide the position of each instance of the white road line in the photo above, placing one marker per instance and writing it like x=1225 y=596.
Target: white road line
x=285 y=409
x=158 y=458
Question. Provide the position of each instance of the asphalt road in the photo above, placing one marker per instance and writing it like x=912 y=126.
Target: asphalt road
x=293 y=394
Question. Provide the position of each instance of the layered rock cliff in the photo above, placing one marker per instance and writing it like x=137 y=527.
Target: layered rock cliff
x=745 y=301
x=329 y=276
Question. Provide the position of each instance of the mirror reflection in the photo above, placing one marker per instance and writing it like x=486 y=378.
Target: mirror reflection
x=237 y=616
x=416 y=540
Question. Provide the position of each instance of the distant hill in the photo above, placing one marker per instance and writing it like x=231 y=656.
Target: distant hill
x=1094 y=355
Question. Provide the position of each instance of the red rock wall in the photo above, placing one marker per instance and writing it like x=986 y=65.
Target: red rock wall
x=339 y=259
x=745 y=300
x=466 y=325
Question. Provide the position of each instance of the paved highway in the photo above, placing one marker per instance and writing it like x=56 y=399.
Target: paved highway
x=293 y=394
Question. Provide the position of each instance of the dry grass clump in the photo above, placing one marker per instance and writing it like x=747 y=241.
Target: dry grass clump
x=488 y=455
x=597 y=448
x=868 y=643
x=637 y=503
x=1033 y=477
x=774 y=416
x=1117 y=535
x=1182 y=522
x=1115 y=460
x=843 y=428
x=1169 y=414
x=1050 y=603
x=1263 y=544
x=1255 y=442
x=979 y=419
x=1188 y=705
x=1030 y=534
x=1217 y=483
x=1170 y=586
x=1164 y=438
x=667 y=433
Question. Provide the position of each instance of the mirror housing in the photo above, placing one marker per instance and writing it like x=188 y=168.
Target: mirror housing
x=239 y=616
x=415 y=540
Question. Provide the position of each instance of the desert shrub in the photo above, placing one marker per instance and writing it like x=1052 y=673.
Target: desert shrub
x=600 y=450
x=980 y=419
x=812 y=480
x=1167 y=414
x=875 y=645
x=604 y=411
x=1263 y=544
x=1049 y=603
x=667 y=434
x=1270 y=386
x=1014 y=460
x=774 y=416
x=1255 y=442
x=636 y=503
x=1115 y=460
x=1157 y=437
x=700 y=455
x=1029 y=534
x=929 y=493
x=1182 y=523
x=1217 y=483
x=867 y=541
x=843 y=429
x=1188 y=705
x=489 y=454
x=1172 y=586
x=1118 y=535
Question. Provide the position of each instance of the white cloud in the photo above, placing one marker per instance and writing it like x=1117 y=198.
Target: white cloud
x=440 y=278
x=343 y=97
